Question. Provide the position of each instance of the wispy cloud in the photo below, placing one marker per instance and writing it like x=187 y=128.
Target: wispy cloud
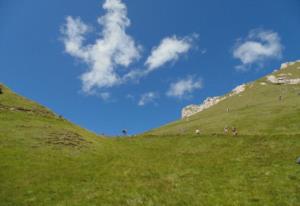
x=148 y=98
x=75 y=31
x=105 y=96
x=170 y=49
x=258 y=47
x=114 y=48
x=183 y=88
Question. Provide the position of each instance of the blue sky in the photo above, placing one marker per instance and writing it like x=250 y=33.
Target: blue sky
x=113 y=75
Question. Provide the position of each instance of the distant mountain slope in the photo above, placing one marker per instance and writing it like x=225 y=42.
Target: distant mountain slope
x=270 y=105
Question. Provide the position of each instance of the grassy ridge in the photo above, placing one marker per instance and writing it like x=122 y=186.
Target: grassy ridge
x=255 y=111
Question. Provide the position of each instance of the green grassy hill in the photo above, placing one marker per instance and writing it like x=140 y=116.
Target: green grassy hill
x=21 y=117
x=46 y=160
x=257 y=110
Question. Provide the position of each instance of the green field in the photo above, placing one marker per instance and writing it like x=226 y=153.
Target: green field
x=46 y=160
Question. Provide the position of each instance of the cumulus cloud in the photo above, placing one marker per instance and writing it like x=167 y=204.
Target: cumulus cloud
x=114 y=47
x=170 y=49
x=184 y=87
x=148 y=98
x=258 y=47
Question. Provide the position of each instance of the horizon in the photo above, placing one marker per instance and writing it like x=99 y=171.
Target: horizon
x=139 y=75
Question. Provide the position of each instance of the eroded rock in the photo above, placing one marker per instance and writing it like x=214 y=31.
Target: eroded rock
x=287 y=64
x=282 y=79
x=209 y=102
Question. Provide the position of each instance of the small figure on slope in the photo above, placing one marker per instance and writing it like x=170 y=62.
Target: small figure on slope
x=226 y=130
x=124 y=132
x=234 y=131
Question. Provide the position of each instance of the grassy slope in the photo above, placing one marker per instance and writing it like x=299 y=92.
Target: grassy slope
x=256 y=111
x=45 y=160
x=182 y=170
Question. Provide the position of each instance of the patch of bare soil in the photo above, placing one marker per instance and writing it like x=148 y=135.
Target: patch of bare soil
x=66 y=138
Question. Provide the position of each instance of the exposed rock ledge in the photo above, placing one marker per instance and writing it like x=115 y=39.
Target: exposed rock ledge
x=287 y=64
x=209 y=102
x=283 y=79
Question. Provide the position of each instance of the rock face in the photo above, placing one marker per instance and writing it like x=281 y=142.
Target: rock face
x=287 y=64
x=209 y=102
x=190 y=110
x=238 y=90
x=294 y=81
x=282 y=79
x=193 y=109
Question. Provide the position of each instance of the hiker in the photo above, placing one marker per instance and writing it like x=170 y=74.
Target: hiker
x=298 y=161
x=124 y=131
x=197 y=131
x=234 y=131
x=226 y=130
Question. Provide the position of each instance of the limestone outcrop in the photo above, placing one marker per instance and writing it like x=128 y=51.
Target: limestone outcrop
x=209 y=102
x=287 y=64
x=282 y=79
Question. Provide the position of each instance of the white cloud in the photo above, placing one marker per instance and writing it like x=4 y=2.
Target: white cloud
x=114 y=47
x=170 y=49
x=258 y=47
x=184 y=87
x=74 y=31
x=148 y=98
x=105 y=96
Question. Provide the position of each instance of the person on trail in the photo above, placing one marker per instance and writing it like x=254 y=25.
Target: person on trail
x=234 y=131
x=298 y=161
x=124 y=132
x=226 y=130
